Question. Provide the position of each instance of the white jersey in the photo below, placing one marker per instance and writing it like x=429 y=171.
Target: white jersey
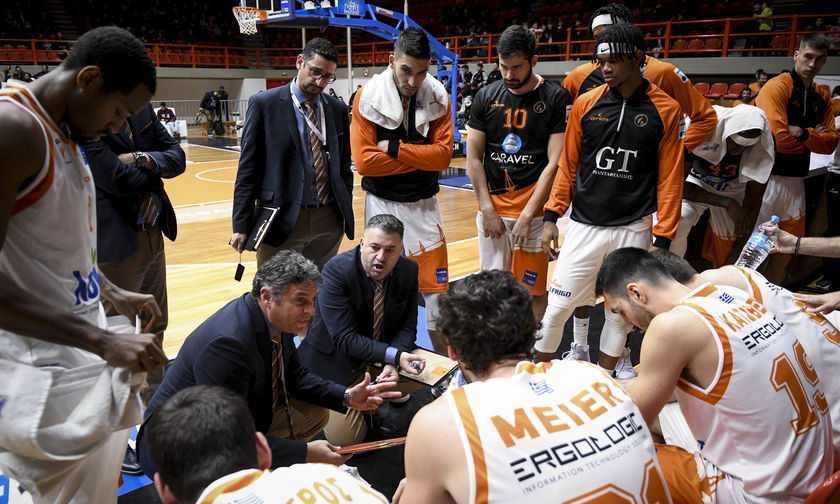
x=50 y=246
x=557 y=429
x=763 y=419
x=298 y=484
x=819 y=338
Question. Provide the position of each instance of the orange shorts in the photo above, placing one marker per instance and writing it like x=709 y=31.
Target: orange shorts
x=528 y=263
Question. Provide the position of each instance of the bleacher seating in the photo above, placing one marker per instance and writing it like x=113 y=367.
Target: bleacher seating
x=717 y=90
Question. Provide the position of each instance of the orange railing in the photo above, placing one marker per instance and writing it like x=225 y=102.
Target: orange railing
x=709 y=37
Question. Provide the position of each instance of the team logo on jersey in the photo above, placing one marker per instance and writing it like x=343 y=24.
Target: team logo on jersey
x=512 y=143
x=599 y=117
x=640 y=120
x=539 y=107
x=681 y=75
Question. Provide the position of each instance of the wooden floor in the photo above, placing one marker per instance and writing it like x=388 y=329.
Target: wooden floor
x=201 y=264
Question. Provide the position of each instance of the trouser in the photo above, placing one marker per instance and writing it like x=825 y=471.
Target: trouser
x=211 y=118
x=308 y=420
x=317 y=235
x=144 y=272
x=349 y=428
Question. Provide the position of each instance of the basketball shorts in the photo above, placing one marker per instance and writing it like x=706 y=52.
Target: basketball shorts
x=529 y=264
x=583 y=250
x=720 y=236
x=785 y=197
x=423 y=242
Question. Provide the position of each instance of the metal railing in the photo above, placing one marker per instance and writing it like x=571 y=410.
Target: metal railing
x=707 y=37
x=231 y=110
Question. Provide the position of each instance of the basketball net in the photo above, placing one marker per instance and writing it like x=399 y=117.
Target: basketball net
x=247 y=18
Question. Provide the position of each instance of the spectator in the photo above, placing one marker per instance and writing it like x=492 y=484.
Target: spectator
x=169 y=120
x=765 y=24
x=494 y=74
x=44 y=71
x=209 y=106
x=353 y=97
x=224 y=105
x=332 y=92
x=27 y=77
x=745 y=98
x=466 y=75
x=761 y=78
x=478 y=78
x=7 y=72
x=18 y=74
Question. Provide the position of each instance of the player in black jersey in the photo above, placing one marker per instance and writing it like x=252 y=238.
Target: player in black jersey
x=515 y=137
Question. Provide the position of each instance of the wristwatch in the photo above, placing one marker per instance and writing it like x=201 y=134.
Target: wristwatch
x=139 y=159
x=346 y=401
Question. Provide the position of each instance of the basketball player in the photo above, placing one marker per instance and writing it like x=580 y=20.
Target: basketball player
x=743 y=381
x=668 y=78
x=559 y=431
x=401 y=137
x=728 y=174
x=207 y=451
x=515 y=136
x=800 y=117
x=819 y=338
x=69 y=449
x=622 y=161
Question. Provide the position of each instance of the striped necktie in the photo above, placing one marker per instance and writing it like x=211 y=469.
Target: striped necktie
x=378 y=310
x=317 y=156
x=278 y=381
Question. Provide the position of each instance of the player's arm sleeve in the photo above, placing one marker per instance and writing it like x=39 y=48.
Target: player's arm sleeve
x=669 y=186
x=560 y=196
x=369 y=160
x=437 y=155
x=252 y=159
x=825 y=142
x=693 y=104
x=773 y=100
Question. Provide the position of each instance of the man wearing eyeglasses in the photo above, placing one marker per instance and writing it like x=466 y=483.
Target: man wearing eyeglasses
x=295 y=156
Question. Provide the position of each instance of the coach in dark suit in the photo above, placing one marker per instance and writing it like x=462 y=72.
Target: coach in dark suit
x=235 y=347
x=354 y=325
x=290 y=160
x=133 y=211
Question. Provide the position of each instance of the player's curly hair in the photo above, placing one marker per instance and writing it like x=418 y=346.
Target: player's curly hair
x=120 y=56
x=625 y=40
x=488 y=317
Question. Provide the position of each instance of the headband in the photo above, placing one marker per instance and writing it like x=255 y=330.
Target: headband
x=601 y=20
x=606 y=48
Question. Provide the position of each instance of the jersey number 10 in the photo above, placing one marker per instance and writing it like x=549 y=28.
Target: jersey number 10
x=519 y=117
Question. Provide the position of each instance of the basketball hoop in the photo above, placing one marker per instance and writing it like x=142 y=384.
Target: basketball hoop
x=247 y=18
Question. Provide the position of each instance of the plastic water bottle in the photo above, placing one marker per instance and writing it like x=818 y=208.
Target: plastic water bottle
x=758 y=247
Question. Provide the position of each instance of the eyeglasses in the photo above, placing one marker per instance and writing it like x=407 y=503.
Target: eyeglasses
x=317 y=73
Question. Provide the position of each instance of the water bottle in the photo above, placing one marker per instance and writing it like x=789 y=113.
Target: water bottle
x=758 y=247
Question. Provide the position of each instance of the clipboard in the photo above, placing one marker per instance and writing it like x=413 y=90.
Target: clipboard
x=372 y=446
x=437 y=368
x=263 y=218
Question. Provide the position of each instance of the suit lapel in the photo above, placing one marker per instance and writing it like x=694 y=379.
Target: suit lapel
x=332 y=139
x=288 y=115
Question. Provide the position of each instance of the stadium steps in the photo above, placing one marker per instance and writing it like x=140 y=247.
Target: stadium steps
x=62 y=18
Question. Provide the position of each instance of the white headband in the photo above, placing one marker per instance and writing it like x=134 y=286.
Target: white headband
x=744 y=141
x=604 y=48
x=601 y=20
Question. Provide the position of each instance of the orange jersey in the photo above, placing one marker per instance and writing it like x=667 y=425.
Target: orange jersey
x=669 y=79
x=788 y=102
x=622 y=160
x=755 y=87
x=412 y=175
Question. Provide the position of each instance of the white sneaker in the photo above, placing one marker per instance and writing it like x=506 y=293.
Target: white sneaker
x=624 y=368
x=578 y=352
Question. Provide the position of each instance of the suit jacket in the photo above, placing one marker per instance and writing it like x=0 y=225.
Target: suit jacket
x=120 y=187
x=271 y=163
x=233 y=349
x=339 y=343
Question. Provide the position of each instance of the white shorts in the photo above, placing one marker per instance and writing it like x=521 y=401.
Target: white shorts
x=785 y=197
x=716 y=248
x=583 y=250
x=423 y=242
x=529 y=264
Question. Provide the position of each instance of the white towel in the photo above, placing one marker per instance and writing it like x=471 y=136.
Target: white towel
x=381 y=103
x=757 y=160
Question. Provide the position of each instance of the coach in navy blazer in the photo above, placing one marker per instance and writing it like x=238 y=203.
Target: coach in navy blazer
x=276 y=167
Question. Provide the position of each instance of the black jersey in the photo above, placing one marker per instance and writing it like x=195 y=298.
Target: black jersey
x=517 y=129
x=719 y=177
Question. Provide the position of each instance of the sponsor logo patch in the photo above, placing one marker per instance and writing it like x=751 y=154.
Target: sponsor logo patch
x=442 y=275
x=529 y=278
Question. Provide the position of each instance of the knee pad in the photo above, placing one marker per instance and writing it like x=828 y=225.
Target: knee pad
x=551 y=331
x=614 y=334
x=432 y=309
